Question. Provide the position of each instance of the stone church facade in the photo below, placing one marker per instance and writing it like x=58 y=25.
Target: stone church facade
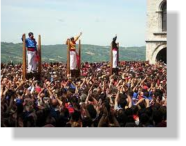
x=156 y=39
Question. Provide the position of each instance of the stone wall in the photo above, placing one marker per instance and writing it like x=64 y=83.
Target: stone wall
x=154 y=34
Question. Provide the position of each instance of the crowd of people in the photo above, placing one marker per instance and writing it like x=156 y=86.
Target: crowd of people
x=135 y=97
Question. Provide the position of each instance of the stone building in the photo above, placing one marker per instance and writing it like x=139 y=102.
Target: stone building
x=156 y=39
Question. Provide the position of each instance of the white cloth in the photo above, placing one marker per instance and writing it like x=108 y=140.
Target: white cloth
x=114 y=63
x=31 y=60
x=73 y=61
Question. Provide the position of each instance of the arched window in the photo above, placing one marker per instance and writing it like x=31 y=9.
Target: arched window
x=164 y=16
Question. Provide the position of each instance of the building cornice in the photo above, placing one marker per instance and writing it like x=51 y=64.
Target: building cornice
x=148 y=41
x=160 y=33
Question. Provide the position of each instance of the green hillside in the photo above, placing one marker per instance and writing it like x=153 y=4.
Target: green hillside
x=53 y=53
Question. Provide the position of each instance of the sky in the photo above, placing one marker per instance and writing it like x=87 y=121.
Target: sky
x=57 y=20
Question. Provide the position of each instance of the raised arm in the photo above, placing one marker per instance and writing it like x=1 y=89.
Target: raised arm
x=104 y=117
x=76 y=38
x=49 y=91
x=23 y=35
x=134 y=88
x=20 y=85
x=143 y=81
x=139 y=101
x=89 y=93
x=59 y=101
x=116 y=123
x=115 y=38
x=81 y=85
x=2 y=90
x=117 y=98
x=129 y=101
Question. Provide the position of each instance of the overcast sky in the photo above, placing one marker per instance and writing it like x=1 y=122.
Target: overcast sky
x=56 y=20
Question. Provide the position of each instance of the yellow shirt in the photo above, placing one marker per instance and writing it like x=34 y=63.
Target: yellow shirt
x=73 y=44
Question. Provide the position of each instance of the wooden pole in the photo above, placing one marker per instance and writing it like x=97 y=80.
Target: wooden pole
x=24 y=58
x=111 y=59
x=68 y=58
x=39 y=53
x=79 y=68
x=118 y=55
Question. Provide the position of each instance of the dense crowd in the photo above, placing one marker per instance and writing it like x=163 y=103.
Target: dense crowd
x=135 y=97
